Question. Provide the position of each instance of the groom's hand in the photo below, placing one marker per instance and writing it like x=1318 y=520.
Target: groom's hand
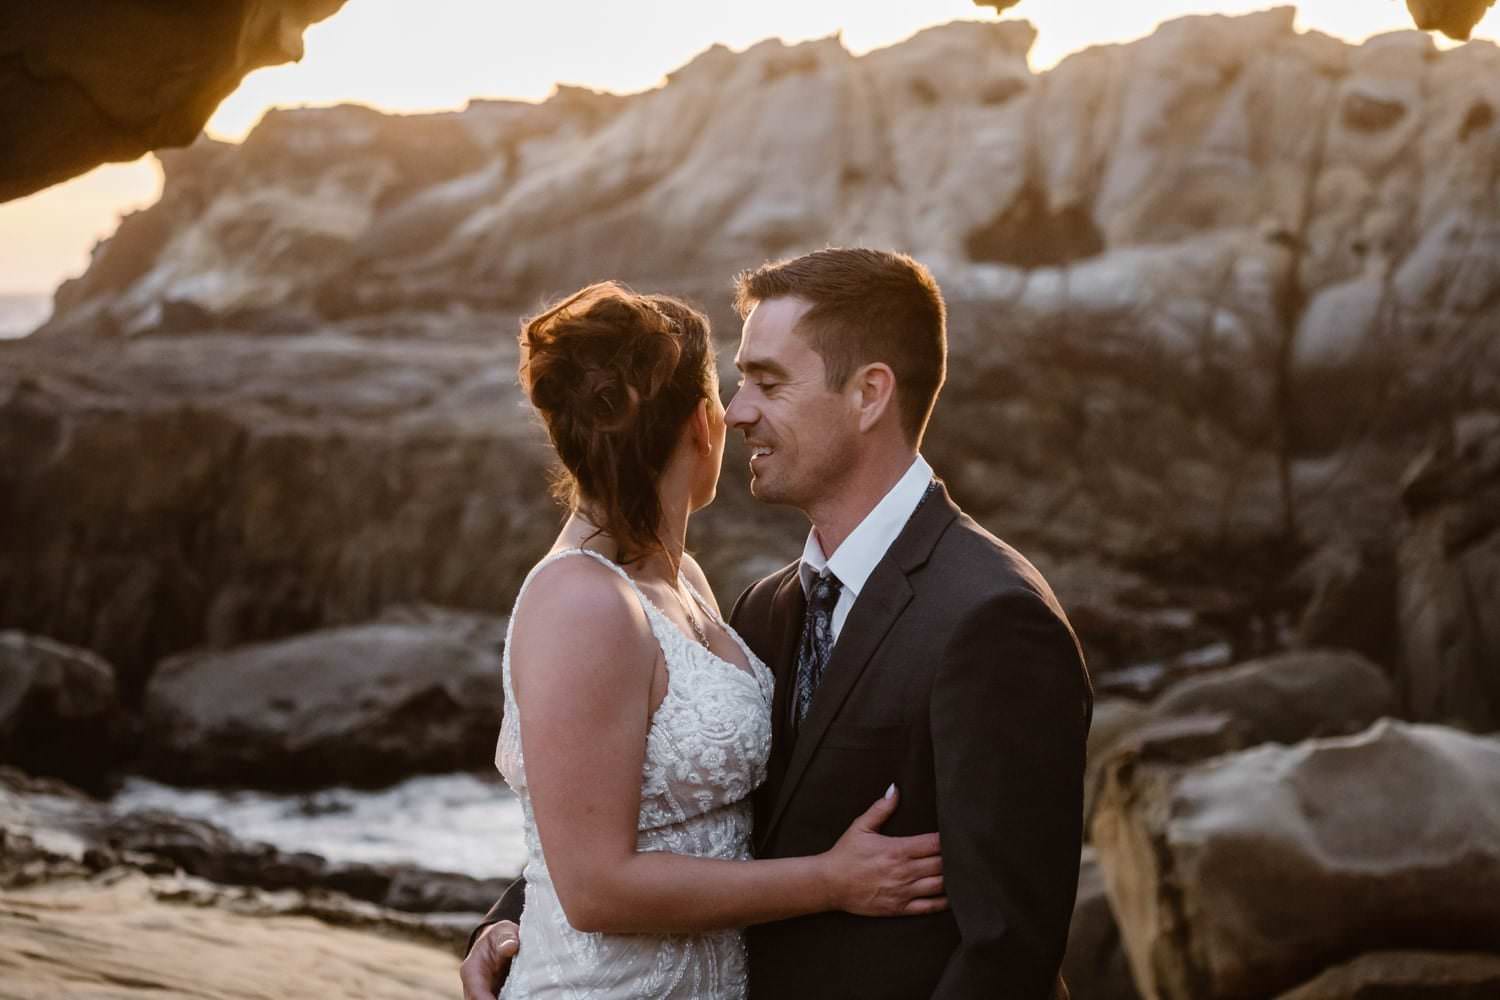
x=484 y=970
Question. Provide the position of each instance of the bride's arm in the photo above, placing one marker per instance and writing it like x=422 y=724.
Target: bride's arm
x=582 y=665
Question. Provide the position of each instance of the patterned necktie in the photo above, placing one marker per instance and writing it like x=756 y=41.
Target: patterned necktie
x=817 y=639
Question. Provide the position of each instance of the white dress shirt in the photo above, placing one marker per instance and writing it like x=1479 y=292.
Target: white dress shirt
x=854 y=560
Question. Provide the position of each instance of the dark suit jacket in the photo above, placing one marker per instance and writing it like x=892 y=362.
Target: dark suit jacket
x=957 y=677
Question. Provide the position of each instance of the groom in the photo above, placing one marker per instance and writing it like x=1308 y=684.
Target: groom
x=909 y=646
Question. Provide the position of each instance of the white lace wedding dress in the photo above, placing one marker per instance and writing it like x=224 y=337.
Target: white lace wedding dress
x=706 y=751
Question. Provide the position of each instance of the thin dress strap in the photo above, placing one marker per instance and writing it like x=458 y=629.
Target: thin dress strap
x=703 y=603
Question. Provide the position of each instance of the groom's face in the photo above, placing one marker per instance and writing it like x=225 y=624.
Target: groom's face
x=798 y=430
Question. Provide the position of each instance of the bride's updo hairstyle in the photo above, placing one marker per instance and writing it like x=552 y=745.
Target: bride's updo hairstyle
x=615 y=376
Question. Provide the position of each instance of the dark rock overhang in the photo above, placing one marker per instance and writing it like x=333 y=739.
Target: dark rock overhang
x=97 y=81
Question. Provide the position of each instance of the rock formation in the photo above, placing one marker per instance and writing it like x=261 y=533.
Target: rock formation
x=235 y=488
x=92 y=82
x=1211 y=292
x=1247 y=874
x=1450 y=583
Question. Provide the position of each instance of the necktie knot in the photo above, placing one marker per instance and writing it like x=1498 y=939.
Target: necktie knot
x=825 y=591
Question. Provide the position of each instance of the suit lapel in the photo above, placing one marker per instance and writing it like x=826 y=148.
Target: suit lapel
x=885 y=596
x=787 y=608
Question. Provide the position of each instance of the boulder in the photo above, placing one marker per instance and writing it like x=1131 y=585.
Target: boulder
x=59 y=710
x=1278 y=699
x=361 y=705
x=1410 y=975
x=1287 y=698
x=1245 y=875
x=1449 y=591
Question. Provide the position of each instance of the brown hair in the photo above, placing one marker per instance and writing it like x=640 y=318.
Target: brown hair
x=614 y=376
x=867 y=305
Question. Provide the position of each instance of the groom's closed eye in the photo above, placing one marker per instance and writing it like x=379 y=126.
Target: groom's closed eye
x=760 y=370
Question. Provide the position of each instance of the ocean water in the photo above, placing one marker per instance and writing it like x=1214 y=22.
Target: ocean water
x=20 y=314
x=449 y=822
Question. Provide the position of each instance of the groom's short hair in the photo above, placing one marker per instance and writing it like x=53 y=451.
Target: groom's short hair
x=867 y=306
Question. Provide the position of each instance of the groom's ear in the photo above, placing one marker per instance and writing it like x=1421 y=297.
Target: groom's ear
x=874 y=389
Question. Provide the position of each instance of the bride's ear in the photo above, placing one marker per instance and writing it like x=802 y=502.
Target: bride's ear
x=703 y=442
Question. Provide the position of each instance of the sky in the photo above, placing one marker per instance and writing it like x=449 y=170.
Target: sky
x=377 y=52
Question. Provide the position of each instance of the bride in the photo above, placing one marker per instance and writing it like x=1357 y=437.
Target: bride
x=637 y=723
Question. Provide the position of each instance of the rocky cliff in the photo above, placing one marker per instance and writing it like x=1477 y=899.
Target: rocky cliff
x=1222 y=164
x=1212 y=292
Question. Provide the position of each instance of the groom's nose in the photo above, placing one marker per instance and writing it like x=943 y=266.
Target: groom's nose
x=739 y=414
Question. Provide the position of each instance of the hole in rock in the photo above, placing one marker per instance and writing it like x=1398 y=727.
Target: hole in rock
x=1027 y=234
x=924 y=91
x=1001 y=91
x=1480 y=117
x=1364 y=113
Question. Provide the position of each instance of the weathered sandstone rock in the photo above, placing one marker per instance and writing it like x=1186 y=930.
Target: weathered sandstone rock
x=1294 y=152
x=1247 y=874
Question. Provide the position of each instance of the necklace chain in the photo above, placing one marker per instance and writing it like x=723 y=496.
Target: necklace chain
x=698 y=632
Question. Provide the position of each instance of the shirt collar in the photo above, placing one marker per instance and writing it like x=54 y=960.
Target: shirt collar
x=854 y=560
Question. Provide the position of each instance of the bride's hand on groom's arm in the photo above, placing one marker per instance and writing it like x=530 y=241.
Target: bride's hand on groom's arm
x=872 y=875
x=484 y=969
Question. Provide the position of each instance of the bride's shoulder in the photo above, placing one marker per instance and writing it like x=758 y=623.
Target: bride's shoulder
x=577 y=601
